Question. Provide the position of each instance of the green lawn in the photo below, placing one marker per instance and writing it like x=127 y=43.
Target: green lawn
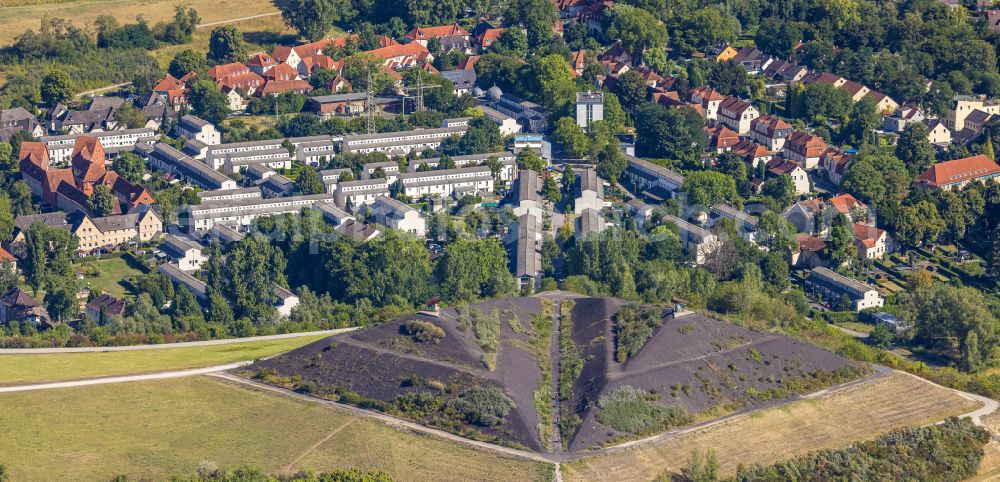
x=152 y=430
x=857 y=326
x=21 y=369
x=110 y=273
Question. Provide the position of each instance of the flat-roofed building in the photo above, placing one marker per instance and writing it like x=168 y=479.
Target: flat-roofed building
x=448 y=182
x=389 y=170
x=697 y=241
x=400 y=143
x=165 y=158
x=394 y=214
x=239 y=193
x=114 y=142
x=195 y=128
x=508 y=125
x=354 y=194
x=588 y=192
x=508 y=163
x=834 y=286
x=653 y=181
x=184 y=253
x=307 y=149
x=242 y=212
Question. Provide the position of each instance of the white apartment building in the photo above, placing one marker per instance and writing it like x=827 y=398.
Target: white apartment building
x=194 y=128
x=354 y=194
x=165 y=158
x=448 y=182
x=242 y=211
x=394 y=214
x=61 y=147
x=403 y=142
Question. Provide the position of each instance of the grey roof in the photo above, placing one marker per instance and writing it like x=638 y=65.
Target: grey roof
x=587 y=180
x=332 y=212
x=177 y=247
x=322 y=99
x=659 y=170
x=697 y=233
x=526 y=187
x=393 y=204
x=838 y=280
x=193 y=284
x=333 y=172
x=417 y=176
x=725 y=210
x=72 y=137
x=638 y=205
x=356 y=230
x=463 y=79
x=118 y=222
x=381 y=135
x=192 y=123
x=259 y=170
x=589 y=97
x=978 y=117
x=282 y=292
x=14 y=115
x=590 y=221
x=526 y=258
x=188 y=167
x=52 y=220
x=225 y=193
x=363 y=182
x=504 y=156
x=226 y=234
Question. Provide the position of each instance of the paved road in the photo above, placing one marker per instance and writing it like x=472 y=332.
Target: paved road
x=124 y=379
x=186 y=344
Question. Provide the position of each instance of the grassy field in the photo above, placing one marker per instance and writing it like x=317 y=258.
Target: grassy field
x=859 y=413
x=258 y=32
x=110 y=273
x=151 y=430
x=16 y=16
x=21 y=369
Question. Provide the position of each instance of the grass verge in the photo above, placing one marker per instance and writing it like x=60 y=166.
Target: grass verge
x=152 y=430
x=22 y=369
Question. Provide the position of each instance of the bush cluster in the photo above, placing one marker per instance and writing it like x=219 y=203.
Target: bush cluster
x=950 y=451
x=423 y=331
x=484 y=406
x=634 y=326
x=636 y=411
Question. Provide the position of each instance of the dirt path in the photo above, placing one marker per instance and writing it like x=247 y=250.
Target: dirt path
x=451 y=366
x=556 y=356
x=288 y=469
x=102 y=89
x=125 y=379
x=239 y=19
x=227 y=341
x=617 y=375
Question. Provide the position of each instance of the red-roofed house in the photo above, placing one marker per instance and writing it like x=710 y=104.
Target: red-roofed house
x=422 y=35
x=720 y=138
x=489 y=36
x=277 y=87
x=737 y=114
x=402 y=56
x=339 y=85
x=469 y=63
x=311 y=64
x=956 y=174
x=770 y=131
x=783 y=167
x=281 y=72
x=835 y=163
x=805 y=148
x=261 y=62
x=708 y=98
x=6 y=257
x=872 y=242
x=752 y=152
x=236 y=76
x=70 y=188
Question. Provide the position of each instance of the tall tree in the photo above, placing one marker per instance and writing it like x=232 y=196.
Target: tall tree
x=130 y=166
x=708 y=188
x=631 y=89
x=309 y=182
x=919 y=224
x=207 y=101
x=226 y=45
x=253 y=267
x=729 y=78
x=56 y=87
x=914 y=148
x=572 y=138
x=185 y=61
x=636 y=28
x=840 y=242
x=6 y=218
x=102 y=201
x=314 y=18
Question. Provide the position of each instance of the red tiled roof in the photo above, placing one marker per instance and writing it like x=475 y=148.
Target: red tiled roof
x=469 y=63
x=810 y=243
x=719 y=136
x=281 y=86
x=959 y=170
x=805 y=144
x=425 y=33
x=36 y=152
x=412 y=49
x=169 y=83
x=768 y=125
x=489 y=36
x=844 y=203
x=750 y=150
x=220 y=72
x=282 y=72
x=779 y=166
x=706 y=93
x=5 y=256
x=261 y=59
x=867 y=235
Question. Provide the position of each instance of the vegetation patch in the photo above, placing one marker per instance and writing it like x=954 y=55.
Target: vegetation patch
x=636 y=411
x=483 y=406
x=570 y=367
x=423 y=331
x=949 y=451
x=634 y=326
x=540 y=343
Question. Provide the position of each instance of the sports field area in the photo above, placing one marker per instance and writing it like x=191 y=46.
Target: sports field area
x=152 y=430
x=858 y=413
x=28 y=369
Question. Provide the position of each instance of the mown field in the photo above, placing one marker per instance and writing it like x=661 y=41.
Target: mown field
x=24 y=369
x=859 y=413
x=152 y=430
x=16 y=16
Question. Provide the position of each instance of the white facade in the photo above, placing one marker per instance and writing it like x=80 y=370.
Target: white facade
x=589 y=108
x=447 y=182
x=61 y=147
x=191 y=127
x=394 y=214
